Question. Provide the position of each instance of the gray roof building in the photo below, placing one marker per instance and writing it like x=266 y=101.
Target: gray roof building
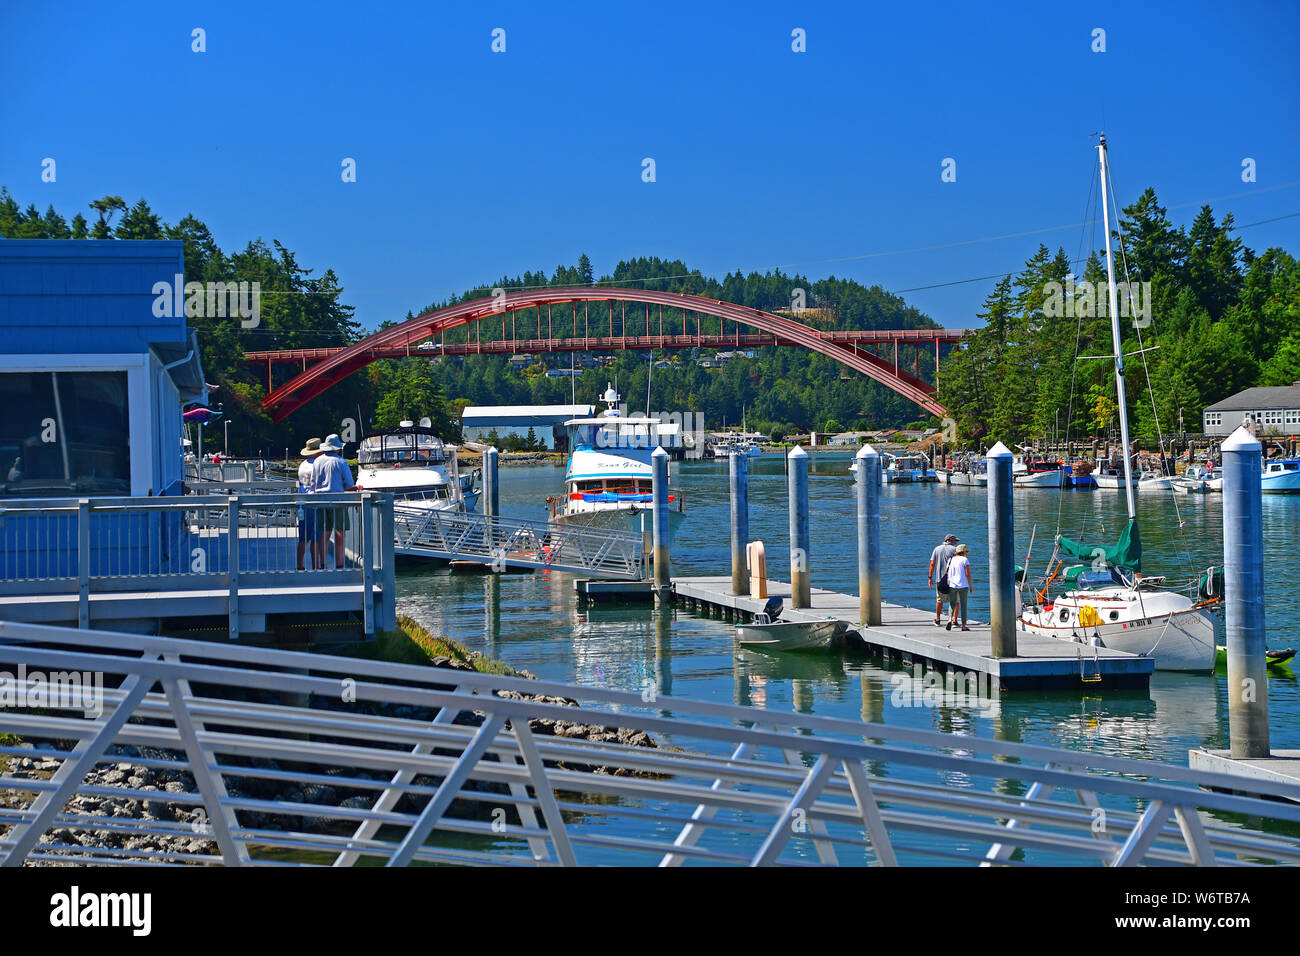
x=1275 y=411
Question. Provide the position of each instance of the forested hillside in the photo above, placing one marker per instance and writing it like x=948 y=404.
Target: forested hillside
x=1222 y=319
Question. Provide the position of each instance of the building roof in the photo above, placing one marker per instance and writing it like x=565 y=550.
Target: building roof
x=485 y=416
x=1277 y=396
x=91 y=295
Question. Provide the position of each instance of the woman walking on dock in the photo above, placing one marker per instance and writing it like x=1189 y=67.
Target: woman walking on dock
x=959 y=585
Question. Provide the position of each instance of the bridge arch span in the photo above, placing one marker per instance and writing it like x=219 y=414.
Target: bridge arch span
x=292 y=395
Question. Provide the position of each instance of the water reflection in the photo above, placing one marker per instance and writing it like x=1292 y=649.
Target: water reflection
x=534 y=621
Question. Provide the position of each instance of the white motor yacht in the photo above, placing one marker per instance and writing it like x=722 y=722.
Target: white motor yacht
x=608 y=483
x=414 y=465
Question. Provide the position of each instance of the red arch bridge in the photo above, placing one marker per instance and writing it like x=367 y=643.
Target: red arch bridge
x=605 y=326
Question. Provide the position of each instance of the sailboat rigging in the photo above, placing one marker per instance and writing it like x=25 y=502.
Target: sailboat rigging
x=1110 y=603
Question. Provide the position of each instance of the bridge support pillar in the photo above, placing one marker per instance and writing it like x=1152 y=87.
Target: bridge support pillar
x=797 y=479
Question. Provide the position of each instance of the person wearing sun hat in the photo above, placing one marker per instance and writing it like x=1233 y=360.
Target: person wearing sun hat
x=308 y=538
x=959 y=584
x=333 y=476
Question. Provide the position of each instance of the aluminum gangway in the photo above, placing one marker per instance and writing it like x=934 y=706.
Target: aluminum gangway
x=510 y=544
x=294 y=758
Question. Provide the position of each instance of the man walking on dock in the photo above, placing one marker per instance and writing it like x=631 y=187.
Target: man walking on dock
x=938 y=577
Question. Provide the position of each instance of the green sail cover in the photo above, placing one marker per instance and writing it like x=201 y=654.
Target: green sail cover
x=1127 y=552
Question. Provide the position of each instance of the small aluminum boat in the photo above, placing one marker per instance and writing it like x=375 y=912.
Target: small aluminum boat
x=769 y=635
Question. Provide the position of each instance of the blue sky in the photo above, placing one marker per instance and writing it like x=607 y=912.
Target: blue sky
x=473 y=164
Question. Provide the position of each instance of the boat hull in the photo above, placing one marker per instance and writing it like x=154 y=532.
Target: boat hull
x=787 y=635
x=1040 y=479
x=632 y=518
x=1178 y=639
x=1286 y=483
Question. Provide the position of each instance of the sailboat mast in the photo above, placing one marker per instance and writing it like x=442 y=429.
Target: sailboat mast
x=1113 y=299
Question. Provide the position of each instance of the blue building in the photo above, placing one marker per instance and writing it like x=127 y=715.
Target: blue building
x=95 y=363
x=96 y=529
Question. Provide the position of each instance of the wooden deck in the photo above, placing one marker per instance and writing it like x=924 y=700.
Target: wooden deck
x=909 y=635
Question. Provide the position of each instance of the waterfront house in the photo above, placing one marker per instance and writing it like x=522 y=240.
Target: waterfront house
x=1274 y=410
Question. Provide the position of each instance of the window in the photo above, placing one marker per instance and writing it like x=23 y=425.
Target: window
x=1293 y=416
x=1213 y=419
x=64 y=433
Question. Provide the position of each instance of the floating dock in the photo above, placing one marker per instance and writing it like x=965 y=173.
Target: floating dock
x=1281 y=767
x=908 y=634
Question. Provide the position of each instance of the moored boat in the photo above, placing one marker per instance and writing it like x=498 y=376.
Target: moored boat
x=767 y=635
x=1110 y=604
x=1281 y=476
x=609 y=480
x=416 y=467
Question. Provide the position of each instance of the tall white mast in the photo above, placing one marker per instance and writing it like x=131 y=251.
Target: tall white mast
x=1113 y=297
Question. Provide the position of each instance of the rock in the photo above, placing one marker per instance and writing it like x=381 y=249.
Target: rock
x=174 y=786
x=114 y=777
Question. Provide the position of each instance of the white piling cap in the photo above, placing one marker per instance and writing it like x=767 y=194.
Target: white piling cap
x=798 y=452
x=659 y=452
x=1241 y=440
x=866 y=451
x=999 y=451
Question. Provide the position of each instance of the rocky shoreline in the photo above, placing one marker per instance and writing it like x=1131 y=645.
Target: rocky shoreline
x=187 y=835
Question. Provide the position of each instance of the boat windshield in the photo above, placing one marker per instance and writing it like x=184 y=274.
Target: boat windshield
x=414 y=446
x=611 y=435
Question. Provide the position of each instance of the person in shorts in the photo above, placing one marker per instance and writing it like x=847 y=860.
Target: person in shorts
x=308 y=535
x=939 y=559
x=332 y=476
x=959 y=583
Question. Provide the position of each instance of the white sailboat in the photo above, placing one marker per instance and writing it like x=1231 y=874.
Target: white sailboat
x=1112 y=605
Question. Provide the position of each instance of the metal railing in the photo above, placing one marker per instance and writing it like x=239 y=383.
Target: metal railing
x=505 y=543
x=89 y=546
x=298 y=758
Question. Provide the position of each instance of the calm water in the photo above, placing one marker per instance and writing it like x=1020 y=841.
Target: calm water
x=534 y=621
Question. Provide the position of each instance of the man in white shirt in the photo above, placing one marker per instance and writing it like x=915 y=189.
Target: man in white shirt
x=308 y=535
x=333 y=475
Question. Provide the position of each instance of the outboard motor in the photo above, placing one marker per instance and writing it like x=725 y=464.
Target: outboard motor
x=773 y=608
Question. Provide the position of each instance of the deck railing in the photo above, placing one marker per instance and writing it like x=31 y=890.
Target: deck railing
x=298 y=758
x=506 y=543
x=91 y=546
